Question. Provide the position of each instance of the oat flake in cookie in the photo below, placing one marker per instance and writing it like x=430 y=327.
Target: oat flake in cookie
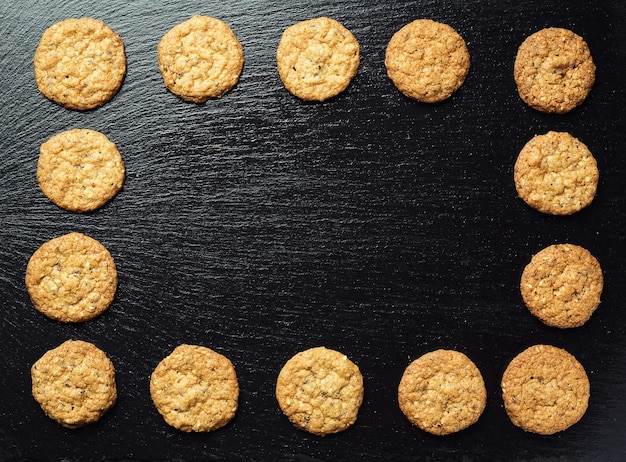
x=545 y=390
x=320 y=391
x=554 y=70
x=195 y=389
x=317 y=59
x=74 y=383
x=427 y=60
x=71 y=278
x=80 y=170
x=200 y=59
x=442 y=392
x=80 y=63
x=556 y=173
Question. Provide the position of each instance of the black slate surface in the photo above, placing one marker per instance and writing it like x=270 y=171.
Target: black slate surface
x=259 y=225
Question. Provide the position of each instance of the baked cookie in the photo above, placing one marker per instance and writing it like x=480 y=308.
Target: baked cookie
x=80 y=63
x=317 y=59
x=562 y=285
x=545 y=390
x=195 y=389
x=442 y=392
x=80 y=170
x=320 y=391
x=200 y=59
x=74 y=383
x=71 y=278
x=427 y=60
x=556 y=174
x=554 y=70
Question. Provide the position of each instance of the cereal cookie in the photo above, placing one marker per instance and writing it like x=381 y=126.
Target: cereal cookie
x=80 y=170
x=320 y=391
x=200 y=59
x=562 y=285
x=317 y=59
x=80 y=63
x=442 y=392
x=556 y=174
x=71 y=278
x=195 y=389
x=545 y=390
x=74 y=383
x=427 y=60
x=554 y=71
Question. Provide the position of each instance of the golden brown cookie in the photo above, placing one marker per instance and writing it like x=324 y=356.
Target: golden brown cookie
x=554 y=70
x=71 y=278
x=556 y=173
x=200 y=59
x=195 y=389
x=562 y=285
x=442 y=392
x=74 y=383
x=427 y=60
x=545 y=390
x=320 y=391
x=80 y=170
x=317 y=59
x=80 y=63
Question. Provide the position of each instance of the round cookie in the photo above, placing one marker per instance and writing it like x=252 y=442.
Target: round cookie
x=442 y=392
x=556 y=174
x=200 y=59
x=80 y=170
x=317 y=59
x=562 y=285
x=80 y=63
x=427 y=60
x=74 y=383
x=320 y=391
x=545 y=390
x=195 y=389
x=554 y=70
x=71 y=278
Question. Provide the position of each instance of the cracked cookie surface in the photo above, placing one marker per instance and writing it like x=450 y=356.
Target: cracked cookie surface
x=80 y=170
x=317 y=59
x=200 y=59
x=320 y=391
x=195 y=389
x=427 y=61
x=562 y=285
x=554 y=71
x=80 y=63
x=556 y=174
x=74 y=383
x=545 y=390
x=71 y=278
x=442 y=392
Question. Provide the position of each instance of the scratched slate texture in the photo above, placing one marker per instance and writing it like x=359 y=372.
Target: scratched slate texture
x=259 y=225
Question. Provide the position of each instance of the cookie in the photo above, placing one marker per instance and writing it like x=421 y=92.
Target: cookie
x=80 y=63
x=74 y=383
x=545 y=390
x=317 y=59
x=320 y=391
x=200 y=59
x=80 y=170
x=562 y=285
x=427 y=60
x=442 y=392
x=195 y=389
x=71 y=278
x=556 y=174
x=554 y=70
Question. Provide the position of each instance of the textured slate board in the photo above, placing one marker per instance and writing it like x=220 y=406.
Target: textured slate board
x=259 y=225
